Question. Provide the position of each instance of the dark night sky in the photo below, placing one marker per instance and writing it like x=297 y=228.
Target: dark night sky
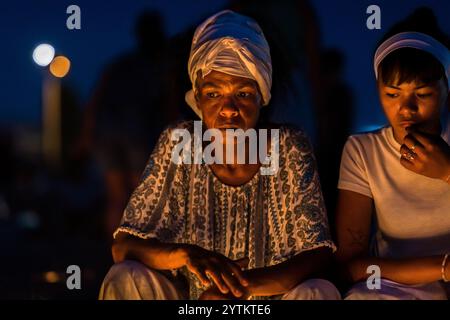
x=107 y=30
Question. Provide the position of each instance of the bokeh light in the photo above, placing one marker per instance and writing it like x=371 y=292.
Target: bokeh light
x=60 y=66
x=52 y=277
x=43 y=54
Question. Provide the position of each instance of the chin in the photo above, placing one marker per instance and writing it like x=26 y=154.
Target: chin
x=399 y=131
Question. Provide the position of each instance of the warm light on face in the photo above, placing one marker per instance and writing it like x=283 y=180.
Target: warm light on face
x=43 y=54
x=60 y=66
x=413 y=104
x=228 y=102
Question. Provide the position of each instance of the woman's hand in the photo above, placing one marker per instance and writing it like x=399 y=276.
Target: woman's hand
x=226 y=274
x=214 y=293
x=426 y=155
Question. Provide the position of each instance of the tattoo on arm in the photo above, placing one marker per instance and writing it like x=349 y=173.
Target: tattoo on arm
x=358 y=238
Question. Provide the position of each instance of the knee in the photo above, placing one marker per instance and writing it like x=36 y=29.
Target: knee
x=366 y=294
x=386 y=291
x=360 y=291
x=124 y=281
x=133 y=280
x=390 y=290
x=314 y=289
x=125 y=271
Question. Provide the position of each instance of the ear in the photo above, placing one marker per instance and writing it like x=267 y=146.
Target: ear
x=197 y=84
x=196 y=94
x=196 y=89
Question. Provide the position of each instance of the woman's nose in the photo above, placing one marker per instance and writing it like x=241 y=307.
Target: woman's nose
x=408 y=106
x=229 y=109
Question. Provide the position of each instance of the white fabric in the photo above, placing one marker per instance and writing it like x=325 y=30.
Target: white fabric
x=233 y=44
x=390 y=290
x=131 y=280
x=313 y=289
x=414 y=40
x=412 y=211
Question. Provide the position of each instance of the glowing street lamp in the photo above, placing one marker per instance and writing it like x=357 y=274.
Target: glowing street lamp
x=60 y=66
x=44 y=55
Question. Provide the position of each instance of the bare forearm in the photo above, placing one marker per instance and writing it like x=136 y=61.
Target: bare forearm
x=154 y=254
x=407 y=271
x=281 y=278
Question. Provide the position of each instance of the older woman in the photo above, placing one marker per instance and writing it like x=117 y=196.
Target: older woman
x=231 y=230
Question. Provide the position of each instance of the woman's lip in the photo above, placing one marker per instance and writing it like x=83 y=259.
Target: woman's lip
x=228 y=127
x=405 y=124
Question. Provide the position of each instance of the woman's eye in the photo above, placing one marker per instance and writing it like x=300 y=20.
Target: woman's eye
x=212 y=94
x=392 y=95
x=424 y=95
x=244 y=94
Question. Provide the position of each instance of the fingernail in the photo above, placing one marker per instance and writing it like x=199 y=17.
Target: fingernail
x=238 y=293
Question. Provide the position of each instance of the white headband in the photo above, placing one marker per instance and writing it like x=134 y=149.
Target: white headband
x=414 y=40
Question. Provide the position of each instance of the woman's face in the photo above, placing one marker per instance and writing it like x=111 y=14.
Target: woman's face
x=228 y=102
x=413 y=104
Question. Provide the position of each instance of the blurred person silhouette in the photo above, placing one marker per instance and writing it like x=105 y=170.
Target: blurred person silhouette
x=334 y=122
x=293 y=33
x=77 y=189
x=176 y=79
x=125 y=114
x=6 y=173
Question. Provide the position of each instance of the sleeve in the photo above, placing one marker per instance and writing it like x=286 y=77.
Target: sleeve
x=155 y=209
x=353 y=173
x=303 y=223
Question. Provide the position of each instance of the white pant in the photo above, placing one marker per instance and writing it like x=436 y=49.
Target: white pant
x=131 y=280
x=390 y=290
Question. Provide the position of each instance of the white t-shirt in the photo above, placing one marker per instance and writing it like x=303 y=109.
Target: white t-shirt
x=412 y=211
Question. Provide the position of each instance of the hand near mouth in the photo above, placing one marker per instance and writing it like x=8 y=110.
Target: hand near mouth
x=421 y=127
x=426 y=154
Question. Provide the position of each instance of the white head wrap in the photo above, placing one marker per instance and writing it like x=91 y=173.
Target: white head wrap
x=233 y=44
x=414 y=40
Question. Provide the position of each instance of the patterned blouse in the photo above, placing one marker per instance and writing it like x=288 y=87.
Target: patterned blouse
x=268 y=219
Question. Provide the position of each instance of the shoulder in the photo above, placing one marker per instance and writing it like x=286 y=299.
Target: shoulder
x=366 y=140
x=295 y=150
x=294 y=138
x=173 y=130
x=179 y=125
x=169 y=137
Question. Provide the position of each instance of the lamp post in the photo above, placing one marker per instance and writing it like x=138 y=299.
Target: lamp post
x=58 y=67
